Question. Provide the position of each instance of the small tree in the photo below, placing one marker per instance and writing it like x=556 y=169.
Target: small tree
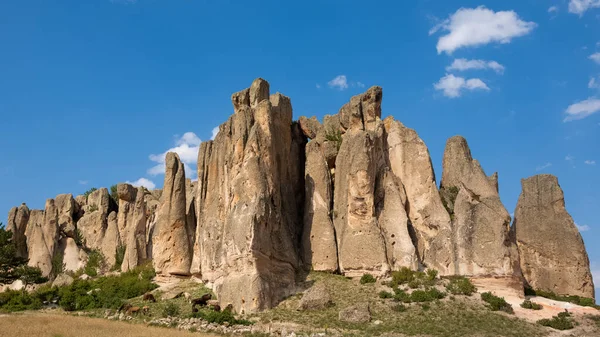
x=87 y=193
x=13 y=267
x=114 y=194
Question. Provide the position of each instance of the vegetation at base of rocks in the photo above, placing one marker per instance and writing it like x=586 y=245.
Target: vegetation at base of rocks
x=562 y=321
x=414 y=279
x=582 y=301
x=448 y=196
x=334 y=136
x=58 y=265
x=219 y=317
x=367 y=278
x=79 y=239
x=528 y=304
x=385 y=294
x=104 y=292
x=170 y=310
x=440 y=318
x=460 y=285
x=87 y=193
x=496 y=303
x=114 y=194
x=426 y=295
x=96 y=262
x=119 y=257
x=13 y=267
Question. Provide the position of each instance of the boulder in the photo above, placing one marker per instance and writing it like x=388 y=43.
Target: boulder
x=359 y=313
x=62 y=280
x=310 y=126
x=315 y=298
x=17 y=224
x=481 y=224
x=171 y=252
x=551 y=249
x=248 y=216
x=410 y=162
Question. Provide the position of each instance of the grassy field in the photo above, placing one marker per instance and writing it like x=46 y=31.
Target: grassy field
x=48 y=325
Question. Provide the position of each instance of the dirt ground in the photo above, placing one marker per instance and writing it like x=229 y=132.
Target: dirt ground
x=53 y=325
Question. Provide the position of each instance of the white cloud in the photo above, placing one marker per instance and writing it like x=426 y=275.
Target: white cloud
x=83 y=182
x=471 y=27
x=553 y=9
x=215 y=131
x=143 y=182
x=593 y=84
x=339 y=82
x=318 y=86
x=187 y=149
x=595 y=57
x=590 y=162
x=360 y=85
x=582 y=109
x=582 y=228
x=581 y=6
x=569 y=158
x=542 y=167
x=452 y=86
x=464 y=64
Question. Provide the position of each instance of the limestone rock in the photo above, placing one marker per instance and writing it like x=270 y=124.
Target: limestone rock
x=410 y=161
x=67 y=208
x=171 y=247
x=359 y=313
x=318 y=240
x=62 y=280
x=131 y=224
x=190 y=210
x=552 y=252
x=246 y=203
x=316 y=298
x=74 y=257
x=310 y=126
x=17 y=224
x=42 y=237
x=481 y=224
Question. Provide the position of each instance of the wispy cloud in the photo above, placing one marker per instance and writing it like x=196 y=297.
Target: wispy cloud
x=579 y=7
x=318 y=86
x=340 y=82
x=186 y=147
x=582 y=228
x=543 y=167
x=464 y=64
x=553 y=9
x=472 y=27
x=453 y=86
x=595 y=57
x=569 y=158
x=582 y=109
x=593 y=84
x=83 y=182
x=215 y=131
x=590 y=162
x=147 y=183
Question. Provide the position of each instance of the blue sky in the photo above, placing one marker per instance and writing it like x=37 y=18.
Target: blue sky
x=94 y=92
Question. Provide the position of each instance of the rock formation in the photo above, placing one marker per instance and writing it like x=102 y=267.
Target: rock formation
x=172 y=253
x=552 y=253
x=481 y=224
x=276 y=198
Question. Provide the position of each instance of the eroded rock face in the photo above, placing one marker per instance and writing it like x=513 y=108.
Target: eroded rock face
x=481 y=224
x=172 y=254
x=552 y=252
x=17 y=224
x=310 y=126
x=42 y=237
x=246 y=203
x=131 y=224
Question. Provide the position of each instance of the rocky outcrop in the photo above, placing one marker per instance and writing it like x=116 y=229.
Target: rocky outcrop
x=552 y=252
x=481 y=224
x=17 y=224
x=171 y=250
x=310 y=126
x=246 y=203
x=131 y=223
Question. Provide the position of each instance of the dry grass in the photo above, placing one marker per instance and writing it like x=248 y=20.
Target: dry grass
x=54 y=325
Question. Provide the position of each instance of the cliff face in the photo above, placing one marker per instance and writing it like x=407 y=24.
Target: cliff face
x=276 y=198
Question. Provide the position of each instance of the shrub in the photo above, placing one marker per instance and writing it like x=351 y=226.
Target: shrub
x=94 y=263
x=460 y=286
x=583 y=301
x=93 y=208
x=18 y=300
x=58 y=265
x=527 y=304
x=414 y=284
x=402 y=276
x=427 y=295
x=449 y=195
x=401 y=296
x=171 y=309
x=79 y=239
x=119 y=257
x=114 y=194
x=87 y=193
x=496 y=303
x=12 y=266
x=367 y=278
x=385 y=294
x=562 y=321
x=399 y=308
x=334 y=136
x=432 y=274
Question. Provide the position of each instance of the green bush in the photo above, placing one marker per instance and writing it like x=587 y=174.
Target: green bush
x=401 y=296
x=114 y=194
x=170 y=310
x=460 y=286
x=79 y=239
x=583 y=301
x=220 y=317
x=427 y=295
x=334 y=136
x=18 y=300
x=562 y=321
x=414 y=284
x=58 y=265
x=87 y=193
x=527 y=304
x=399 y=308
x=402 y=276
x=449 y=195
x=119 y=257
x=432 y=274
x=496 y=303
x=94 y=263
x=385 y=294
x=367 y=278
